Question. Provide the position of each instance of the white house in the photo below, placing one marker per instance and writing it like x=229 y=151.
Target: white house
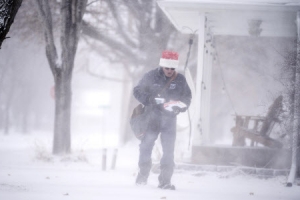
x=209 y=18
x=271 y=18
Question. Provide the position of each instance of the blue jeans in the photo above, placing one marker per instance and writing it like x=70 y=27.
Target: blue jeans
x=166 y=127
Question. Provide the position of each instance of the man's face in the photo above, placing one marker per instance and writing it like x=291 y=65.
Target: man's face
x=168 y=71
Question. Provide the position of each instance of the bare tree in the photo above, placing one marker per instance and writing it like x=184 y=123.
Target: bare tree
x=291 y=80
x=8 y=11
x=71 y=12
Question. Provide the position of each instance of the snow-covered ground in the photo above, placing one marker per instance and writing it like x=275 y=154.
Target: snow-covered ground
x=29 y=171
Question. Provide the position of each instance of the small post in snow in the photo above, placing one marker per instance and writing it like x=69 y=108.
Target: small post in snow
x=104 y=156
x=114 y=159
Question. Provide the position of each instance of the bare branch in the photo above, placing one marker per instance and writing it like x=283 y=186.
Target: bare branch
x=46 y=17
x=113 y=44
x=71 y=10
x=120 y=24
x=105 y=77
x=8 y=11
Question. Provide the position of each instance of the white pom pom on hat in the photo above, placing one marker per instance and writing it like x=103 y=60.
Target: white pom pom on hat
x=169 y=59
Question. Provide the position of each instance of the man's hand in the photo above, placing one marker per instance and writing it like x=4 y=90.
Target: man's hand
x=183 y=109
x=176 y=110
x=151 y=100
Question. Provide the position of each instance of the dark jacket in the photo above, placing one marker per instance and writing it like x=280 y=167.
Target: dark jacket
x=152 y=83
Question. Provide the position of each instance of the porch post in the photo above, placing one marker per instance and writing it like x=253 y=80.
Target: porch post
x=197 y=123
x=296 y=124
x=297 y=151
x=206 y=88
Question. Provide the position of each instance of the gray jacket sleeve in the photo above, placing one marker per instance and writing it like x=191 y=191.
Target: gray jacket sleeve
x=186 y=96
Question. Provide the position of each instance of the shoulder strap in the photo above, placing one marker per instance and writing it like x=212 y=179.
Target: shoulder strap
x=169 y=82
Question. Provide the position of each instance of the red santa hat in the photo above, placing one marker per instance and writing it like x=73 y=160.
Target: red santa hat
x=169 y=59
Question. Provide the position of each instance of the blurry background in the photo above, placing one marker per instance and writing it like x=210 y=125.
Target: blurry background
x=120 y=41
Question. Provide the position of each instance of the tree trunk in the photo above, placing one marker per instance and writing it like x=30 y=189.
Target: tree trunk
x=62 y=135
x=126 y=133
x=6 y=120
x=7 y=109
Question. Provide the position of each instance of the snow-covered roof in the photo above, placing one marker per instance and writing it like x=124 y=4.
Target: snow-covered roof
x=226 y=17
x=245 y=2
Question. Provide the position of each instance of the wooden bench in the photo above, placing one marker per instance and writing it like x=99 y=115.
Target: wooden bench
x=262 y=127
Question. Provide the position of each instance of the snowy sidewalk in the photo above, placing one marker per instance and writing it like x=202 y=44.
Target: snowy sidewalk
x=35 y=183
x=23 y=176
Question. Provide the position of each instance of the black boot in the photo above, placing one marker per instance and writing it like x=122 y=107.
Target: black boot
x=164 y=178
x=166 y=186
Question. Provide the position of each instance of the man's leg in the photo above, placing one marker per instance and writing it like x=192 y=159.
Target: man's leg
x=168 y=137
x=145 y=161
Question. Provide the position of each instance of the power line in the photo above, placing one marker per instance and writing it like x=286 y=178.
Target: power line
x=223 y=80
